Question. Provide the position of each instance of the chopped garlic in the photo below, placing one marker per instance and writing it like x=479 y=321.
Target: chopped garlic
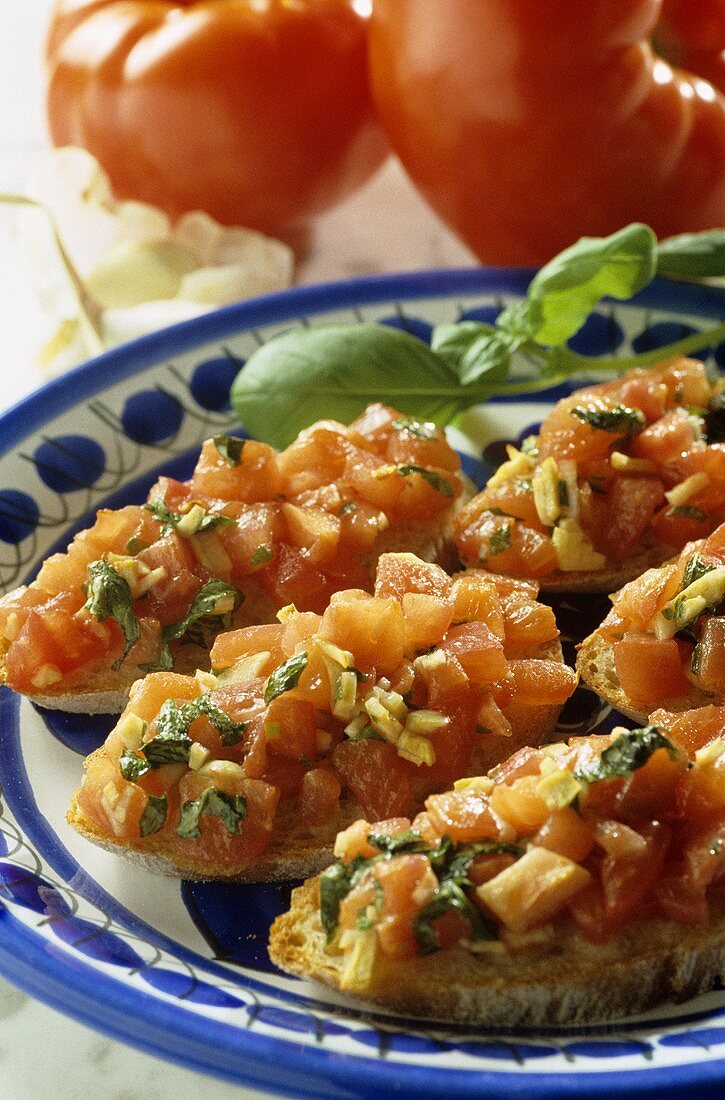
x=706 y=591
x=46 y=675
x=425 y=721
x=418 y=750
x=222 y=769
x=131 y=729
x=360 y=948
x=430 y=661
x=382 y=720
x=478 y=784
x=559 y=789
x=286 y=613
x=687 y=489
x=547 y=492
x=574 y=549
x=207 y=681
x=625 y=464
x=518 y=465
x=198 y=756
x=710 y=753
x=533 y=889
x=345 y=702
x=342 y=657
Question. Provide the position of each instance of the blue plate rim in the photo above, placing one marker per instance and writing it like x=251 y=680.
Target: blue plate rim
x=258 y=1053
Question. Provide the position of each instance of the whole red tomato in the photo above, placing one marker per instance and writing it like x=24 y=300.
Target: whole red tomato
x=527 y=123
x=257 y=111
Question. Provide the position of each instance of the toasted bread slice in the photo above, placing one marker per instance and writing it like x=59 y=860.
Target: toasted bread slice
x=565 y=981
x=297 y=850
x=595 y=665
x=97 y=688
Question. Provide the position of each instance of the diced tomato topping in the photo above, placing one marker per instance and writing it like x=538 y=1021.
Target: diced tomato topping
x=648 y=669
x=376 y=776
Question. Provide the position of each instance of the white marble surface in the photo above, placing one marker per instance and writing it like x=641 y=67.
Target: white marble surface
x=386 y=227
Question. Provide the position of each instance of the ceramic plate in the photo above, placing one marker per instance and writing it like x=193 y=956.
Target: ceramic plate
x=181 y=969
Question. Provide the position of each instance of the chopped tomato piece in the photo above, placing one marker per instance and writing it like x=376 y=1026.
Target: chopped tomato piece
x=648 y=669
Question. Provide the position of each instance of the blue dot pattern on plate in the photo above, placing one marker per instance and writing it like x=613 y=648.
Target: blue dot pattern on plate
x=212 y=380
x=19 y=515
x=601 y=334
x=152 y=416
x=68 y=463
x=412 y=325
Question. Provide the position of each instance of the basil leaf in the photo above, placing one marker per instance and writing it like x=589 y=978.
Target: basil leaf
x=433 y=479
x=109 y=597
x=624 y=756
x=154 y=816
x=693 y=255
x=621 y=420
x=172 y=743
x=202 y=605
x=132 y=766
x=489 y=358
x=335 y=884
x=451 y=341
x=334 y=372
x=230 y=447
x=689 y=511
x=261 y=556
x=231 y=808
x=566 y=290
x=695 y=568
x=500 y=541
x=285 y=676
x=409 y=841
x=449 y=896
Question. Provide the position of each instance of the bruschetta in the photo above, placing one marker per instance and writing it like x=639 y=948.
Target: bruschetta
x=248 y=772
x=620 y=476
x=663 y=642
x=252 y=530
x=574 y=883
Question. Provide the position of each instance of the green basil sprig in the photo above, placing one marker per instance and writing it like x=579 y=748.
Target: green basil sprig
x=336 y=370
x=109 y=597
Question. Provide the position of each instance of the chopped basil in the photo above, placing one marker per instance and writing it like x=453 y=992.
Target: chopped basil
x=135 y=545
x=500 y=541
x=231 y=808
x=421 y=429
x=439 y=483
x=563 y=494
x=621 y=420
x=230 y=447
x=367 y=733
x=171 y=520
x=109 y=597
x=171 y=743
x=285 y=677
x=203 y=604
x=450 y=863
x=132 y=766
x=695 y=568
x=154 y=816
x=261 y=556
x=689 y=512
x=348 y=507
x=624 y=756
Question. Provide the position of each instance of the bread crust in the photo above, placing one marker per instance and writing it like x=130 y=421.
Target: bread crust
x=613 y=576
x=595 y=665
x=566 y=981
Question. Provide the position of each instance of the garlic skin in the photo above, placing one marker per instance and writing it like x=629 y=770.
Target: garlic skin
x=141 y=271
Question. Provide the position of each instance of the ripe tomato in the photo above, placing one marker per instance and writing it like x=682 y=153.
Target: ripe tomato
x=258 y=113
x=529 y=124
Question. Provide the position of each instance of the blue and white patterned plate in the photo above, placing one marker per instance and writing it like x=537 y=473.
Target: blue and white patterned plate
x=181 y=969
